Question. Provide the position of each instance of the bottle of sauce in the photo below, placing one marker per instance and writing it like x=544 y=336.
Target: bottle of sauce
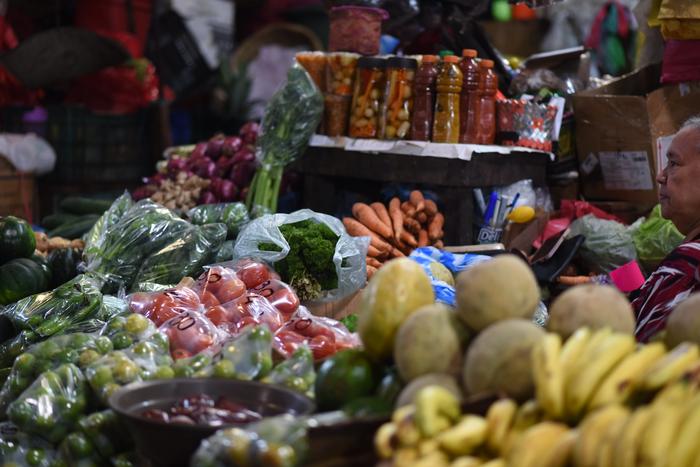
x=488 y=87
x=446 y=117
x=424 y=99
x=470 y=86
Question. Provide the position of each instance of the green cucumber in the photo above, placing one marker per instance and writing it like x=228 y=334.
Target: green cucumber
x=76 y=228
x=79 y=205
x=54 y=220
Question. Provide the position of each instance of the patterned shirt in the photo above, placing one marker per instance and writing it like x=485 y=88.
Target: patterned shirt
x=677 y=277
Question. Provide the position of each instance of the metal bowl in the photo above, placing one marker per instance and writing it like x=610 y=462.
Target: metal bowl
x=171 y=444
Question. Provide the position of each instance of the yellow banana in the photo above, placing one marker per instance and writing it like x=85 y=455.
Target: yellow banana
x=572 y=349
x=685 y=448
x=436 y=410
x=626 y=453
x=428 y=446
x=463 y=438
x=671 y=366
x=535 y=443
x=405 y=457
x=625 y=377
x=407 y=433
x=494 y=463
x=660 y=432
x=499 y=420
x=467 y=461
x=383 y=440
x=606 y=449
x=679 y=392
x=549 y=375
x=434 y=459
x=527 y=415
x=592 y=433
x=595 y=362
x=561 y=453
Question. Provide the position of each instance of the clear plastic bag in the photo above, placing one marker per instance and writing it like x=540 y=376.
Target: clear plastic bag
x=225 y=253
x=249 y=309
x=185 y=256
x=348 y=258
x=95 y=238
x=125 y=330
x=76 y=449
x=655 y=239
x=219 y=284
x=18 y=448
x=106 y=432
x=296 y=373
x=52 y=405
x=608 y=245
x=275 y=442
x=233 y=215
x=324 y=336
x=159 y=307
x=79 y=349
x=190 y=333
x=144 y=360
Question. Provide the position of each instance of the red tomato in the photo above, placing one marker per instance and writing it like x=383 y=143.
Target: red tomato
x=190 y=331
x=171 y=303
x=245 y=322
x=218 y=315
x=141 y=302
x=280 y=295
x=322 y=347
x=310 y=327
x=252 y=273
x=286 y=342
x=259 y=308
x=229 y=290
x=208 y=299
x=180 y=353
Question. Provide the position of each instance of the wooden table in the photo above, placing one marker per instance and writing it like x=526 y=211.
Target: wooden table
x=328 y=172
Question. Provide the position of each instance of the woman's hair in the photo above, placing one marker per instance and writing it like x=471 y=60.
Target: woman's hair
x=692 y=122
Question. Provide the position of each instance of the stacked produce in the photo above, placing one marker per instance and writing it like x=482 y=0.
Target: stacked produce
x=74 y=218
x=218 y=170
x=395 y=230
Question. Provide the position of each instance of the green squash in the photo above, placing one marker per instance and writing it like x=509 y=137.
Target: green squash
x=21 y=278
x=64 y=265
x=43 y=261
x=16 y=239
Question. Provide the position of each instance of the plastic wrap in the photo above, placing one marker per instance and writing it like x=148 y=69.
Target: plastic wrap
x=124 y=330
x=348 y=257
x=76 y=449
x=273 y=442
x=142 y=361
x=105 y=431
x=249 y=309
x=225 y=253
x=190 y=333
x=233 y=215
x=79 y=349
x=94 y=239
x=144 y=229
x=52 y=405
x=655 y=239
x=19 y=449
x=608 y=245
x=252 y=272
x=296 y=373
x=324 y=336
x=185 y=256
x=159 y=307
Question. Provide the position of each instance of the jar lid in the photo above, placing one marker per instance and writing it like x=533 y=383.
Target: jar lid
x=371 y=62
x=470 y=53
x=402 y=62
x=451 y=59
x=486 y=63
x=444 y=53
x=430 y=58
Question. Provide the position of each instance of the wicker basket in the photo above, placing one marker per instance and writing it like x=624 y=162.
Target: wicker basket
x=17 y=192
x=286 y=34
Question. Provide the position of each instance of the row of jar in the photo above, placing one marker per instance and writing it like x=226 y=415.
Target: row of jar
x=444 y=99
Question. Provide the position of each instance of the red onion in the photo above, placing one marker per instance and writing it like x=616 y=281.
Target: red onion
x=231 y=145
x=205 y=168
x=141 y=192
x=176 y=165
x=215 y=146
x=223 y=166
x=249 y=132
x=243 y=155
x=207 y=197
x=199 y=150
x=242 y=173
x=227 y=190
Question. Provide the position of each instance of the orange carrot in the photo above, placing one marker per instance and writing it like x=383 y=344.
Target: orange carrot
x=408 y=239
x=396 y=217
x=373 y=262
x=373 y=251
x=430 y=207
x=436 y=226
x=411 y=225
x=423 y=238
x=439 y=245
x=357 y=229
x=396 y=253
x=417 y=200
x=422 y=217
x=408 y=209
x=382 y=213
x=574 y=280
x=369 y=218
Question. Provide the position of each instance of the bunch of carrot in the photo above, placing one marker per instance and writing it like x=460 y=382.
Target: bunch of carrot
x=396 y=230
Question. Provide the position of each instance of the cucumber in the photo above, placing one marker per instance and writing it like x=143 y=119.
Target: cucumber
x=76 y=228
x=79 y=205
x=54 y=220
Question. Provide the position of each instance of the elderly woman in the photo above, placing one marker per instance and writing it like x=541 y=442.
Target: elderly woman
x=679 y=195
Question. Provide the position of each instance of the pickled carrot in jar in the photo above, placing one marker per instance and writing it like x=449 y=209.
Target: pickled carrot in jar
x=367 y=97
x=398 y=98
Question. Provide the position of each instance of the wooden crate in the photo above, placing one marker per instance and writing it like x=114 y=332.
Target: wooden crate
x=17 y=192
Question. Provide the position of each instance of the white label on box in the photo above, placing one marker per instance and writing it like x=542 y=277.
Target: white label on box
x=626 y=170
x=589 y=164
x=662 y=145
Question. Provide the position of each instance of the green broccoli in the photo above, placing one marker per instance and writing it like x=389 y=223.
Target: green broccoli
x=309 y=266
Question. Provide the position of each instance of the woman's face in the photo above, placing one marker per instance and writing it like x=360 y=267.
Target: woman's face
x=679 y=190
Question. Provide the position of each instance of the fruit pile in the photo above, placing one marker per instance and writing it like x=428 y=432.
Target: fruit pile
x=398 y=229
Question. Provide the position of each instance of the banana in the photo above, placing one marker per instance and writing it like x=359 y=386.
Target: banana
x=671 y=366
x=561 y=452
x=685 y=447
x=592 y=433
x=383 y=440
x=660 y=433
x=407 y=433
x=549 y=375
x=535 y=443
x=434 y=459
x=436 y=410
x=405 y=456
x=428 y=446
x=467 y=461
x=463 y=438
x=495 y=463
x=527 y=415
x=679 y=392
x=606 y=449
x=617 y=387
x=499 y=419
x=595 y=362
x=572 y=349
x=631 y=437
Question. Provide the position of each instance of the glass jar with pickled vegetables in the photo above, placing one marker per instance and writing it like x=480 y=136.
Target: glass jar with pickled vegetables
x=398 y=98
x=340 y=71
x=367 y=98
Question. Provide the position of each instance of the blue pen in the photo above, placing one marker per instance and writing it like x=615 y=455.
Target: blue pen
x=489 y=210
x=512 y=205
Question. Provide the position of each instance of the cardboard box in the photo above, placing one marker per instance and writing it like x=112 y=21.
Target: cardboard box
x=620 y=128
